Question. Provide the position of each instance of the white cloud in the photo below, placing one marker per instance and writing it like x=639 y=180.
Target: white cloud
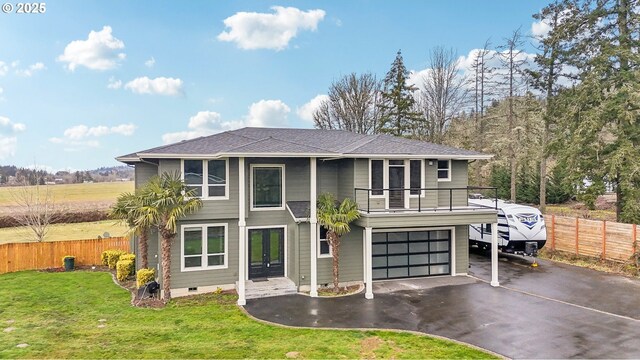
x=305 y=112
x=7 y=124
x=32 y=69
x=264 y=113
x=252 y=30
x=123 y=129
x=159 y=86
x=9 y=142
x=4 y=68
x=8 y=145
x=101 y=51
x=540 y=29
x=80 y=136
x=268 y=113
x=114 y=84
x=150 y=63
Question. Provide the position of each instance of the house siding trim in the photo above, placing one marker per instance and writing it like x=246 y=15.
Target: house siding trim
x=283 y=190
x=204 y=255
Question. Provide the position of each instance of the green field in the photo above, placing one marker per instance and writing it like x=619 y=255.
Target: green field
x=85 y=315
x=59 y=232
x=76 y=193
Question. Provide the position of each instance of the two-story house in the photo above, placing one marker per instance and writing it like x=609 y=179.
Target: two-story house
x=258 y=221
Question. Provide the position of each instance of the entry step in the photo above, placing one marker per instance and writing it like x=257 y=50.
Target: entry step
x=269 y=287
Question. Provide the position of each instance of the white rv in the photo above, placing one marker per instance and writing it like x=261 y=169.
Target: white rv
x=521 y=228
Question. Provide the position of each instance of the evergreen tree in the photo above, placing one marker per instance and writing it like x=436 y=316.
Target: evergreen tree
x=397 y=108
x=600 y=137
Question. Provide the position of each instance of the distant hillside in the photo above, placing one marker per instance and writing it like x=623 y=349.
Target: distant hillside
x=12 y=175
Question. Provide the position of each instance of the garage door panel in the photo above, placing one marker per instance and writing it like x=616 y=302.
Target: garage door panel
x=411 y=253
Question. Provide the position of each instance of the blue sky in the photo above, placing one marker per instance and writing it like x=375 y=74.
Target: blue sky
x=90 y=80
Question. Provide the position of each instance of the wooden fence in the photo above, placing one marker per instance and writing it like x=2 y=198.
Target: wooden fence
x=596 y=238
x=44 y=255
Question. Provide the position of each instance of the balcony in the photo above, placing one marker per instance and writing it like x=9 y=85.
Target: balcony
x=423 y=200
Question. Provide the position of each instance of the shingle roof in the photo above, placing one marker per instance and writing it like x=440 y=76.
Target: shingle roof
x=299 y=209
x=303 y=142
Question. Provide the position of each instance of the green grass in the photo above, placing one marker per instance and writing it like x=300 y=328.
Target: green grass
x=57 y=315
x=73 y=193
x=59 y=232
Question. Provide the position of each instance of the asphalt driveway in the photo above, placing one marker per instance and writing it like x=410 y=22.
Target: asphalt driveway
x=552 y=311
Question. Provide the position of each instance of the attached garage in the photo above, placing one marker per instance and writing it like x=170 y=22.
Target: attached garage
x=405 y=254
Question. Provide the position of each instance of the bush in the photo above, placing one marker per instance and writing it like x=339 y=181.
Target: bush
x=144 y=276
x=131 y=257
x=111 y=257
x=124 y=269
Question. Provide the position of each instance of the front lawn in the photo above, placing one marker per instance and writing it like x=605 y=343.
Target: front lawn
x=59 y=316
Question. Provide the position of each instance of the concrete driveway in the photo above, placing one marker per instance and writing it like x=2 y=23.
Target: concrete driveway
x=552 y=311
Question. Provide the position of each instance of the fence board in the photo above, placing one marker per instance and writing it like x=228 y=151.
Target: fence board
x=611 y=241
x=43 y=255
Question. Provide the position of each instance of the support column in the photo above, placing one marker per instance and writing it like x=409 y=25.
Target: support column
x=313 y=224
x=494 y=254
x=369 y=265
x=242 y=241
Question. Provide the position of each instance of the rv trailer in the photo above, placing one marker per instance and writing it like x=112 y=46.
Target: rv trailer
x=521 y=228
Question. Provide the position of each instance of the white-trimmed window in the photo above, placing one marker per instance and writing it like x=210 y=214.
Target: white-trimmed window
x=376 y=178
x=416 y=177
x=209 y=178
x=444 y=170
x=324 y=249
x=267 y=187
x=203 y=247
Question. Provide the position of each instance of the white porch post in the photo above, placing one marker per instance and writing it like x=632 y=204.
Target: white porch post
x=494 y=254
x=242 y=266
x=368 y=266
x=313 y=224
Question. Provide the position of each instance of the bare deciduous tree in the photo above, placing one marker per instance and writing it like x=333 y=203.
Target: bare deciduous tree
x=443 y=93
x=351 y=105
x=38 y=209
x=481 y=78
x=513 y=61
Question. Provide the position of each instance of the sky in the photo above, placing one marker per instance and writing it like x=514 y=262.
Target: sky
x=86 y=81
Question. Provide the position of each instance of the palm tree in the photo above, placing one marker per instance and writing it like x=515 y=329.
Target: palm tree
x=336 y=217
x=125 y=209
x=167 y=199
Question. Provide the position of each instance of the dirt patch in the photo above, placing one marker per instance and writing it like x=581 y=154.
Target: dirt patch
x=343 y=290
x=369 y=346
x=628 y=268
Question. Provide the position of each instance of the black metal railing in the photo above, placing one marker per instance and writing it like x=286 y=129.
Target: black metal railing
x=397 y=196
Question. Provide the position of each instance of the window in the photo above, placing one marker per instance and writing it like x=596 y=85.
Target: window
x=204 y=247
x=207 y=177
x=444 y=170
x=377 y=177
x=324 y=249
x=415 y=177
x=268 y=187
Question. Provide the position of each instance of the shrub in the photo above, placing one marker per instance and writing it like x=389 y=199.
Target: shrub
x=144 y=276
x=111 y=257
x=131 y=257
x=124 y=269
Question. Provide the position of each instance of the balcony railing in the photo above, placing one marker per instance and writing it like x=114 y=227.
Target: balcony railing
x=422 y=199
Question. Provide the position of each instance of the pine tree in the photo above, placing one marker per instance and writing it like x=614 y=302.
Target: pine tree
x=398 y=104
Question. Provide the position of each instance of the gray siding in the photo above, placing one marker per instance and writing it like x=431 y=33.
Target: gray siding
x=459 y=179
x=212 y=209
x=462 y=249
x=292 y=251
x=143 y=172
x=439 y=218
x=350 y=263
x=346 y=168
x=180 y=279
x=327 y=177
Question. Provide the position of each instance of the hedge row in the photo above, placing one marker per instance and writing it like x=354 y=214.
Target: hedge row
x=69 y=217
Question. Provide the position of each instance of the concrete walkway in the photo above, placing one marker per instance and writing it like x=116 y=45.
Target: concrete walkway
x=553 y=311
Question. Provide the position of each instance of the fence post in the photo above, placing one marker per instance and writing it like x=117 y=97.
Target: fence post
x=577 y=234
x=634 y=239
x=604 y=239
x=553 y=232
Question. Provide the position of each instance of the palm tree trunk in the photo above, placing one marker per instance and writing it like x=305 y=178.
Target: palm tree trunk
x=335 y=249
x=144 y=248
x=166 y=264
